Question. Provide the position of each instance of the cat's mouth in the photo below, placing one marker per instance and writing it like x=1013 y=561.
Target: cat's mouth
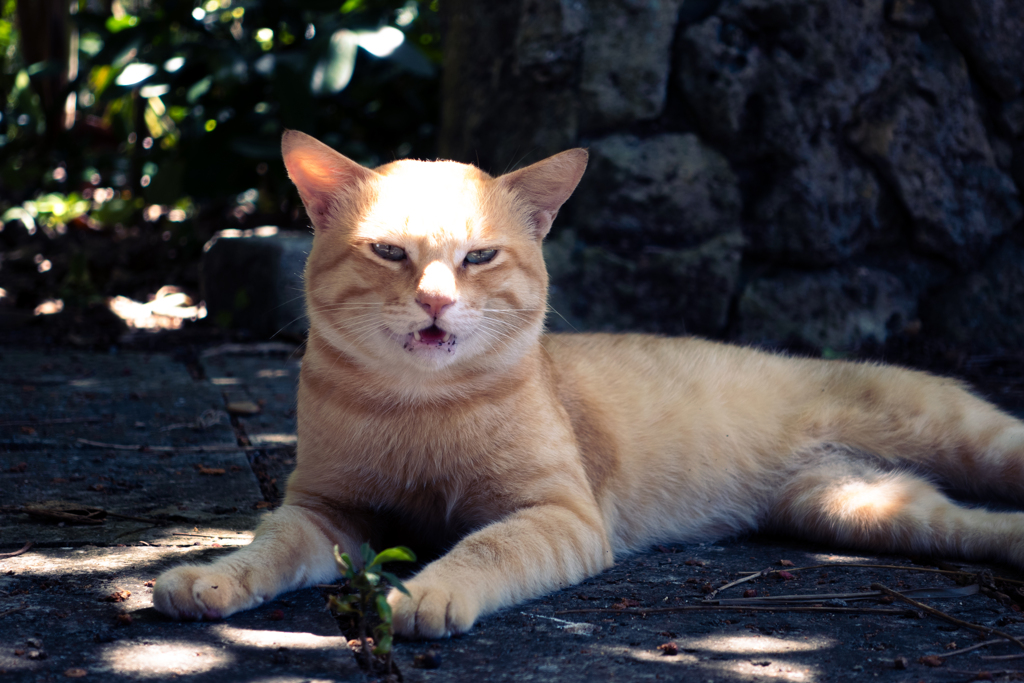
x=432 y=335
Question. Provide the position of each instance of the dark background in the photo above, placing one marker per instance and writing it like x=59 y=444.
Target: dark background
x=113 y=189
x=832 y=178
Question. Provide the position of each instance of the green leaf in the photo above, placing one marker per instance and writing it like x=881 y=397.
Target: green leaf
x=384 y=645
x=397 y=554
x=394 y=581
x=383 y=608
x=342 y=605
x=344 y=563
x=198 y=89
x=368 y=554
x=117 y=25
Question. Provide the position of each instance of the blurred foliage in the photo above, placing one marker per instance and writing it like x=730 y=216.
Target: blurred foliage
x=167 y=113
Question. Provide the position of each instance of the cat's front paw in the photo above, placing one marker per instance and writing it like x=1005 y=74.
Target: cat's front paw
x=433 y=610
x=197 y=592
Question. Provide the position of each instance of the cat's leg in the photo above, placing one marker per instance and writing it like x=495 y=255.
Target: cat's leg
x=843 y=500
x=533 y=551
x=293 y=548
x=932 y=423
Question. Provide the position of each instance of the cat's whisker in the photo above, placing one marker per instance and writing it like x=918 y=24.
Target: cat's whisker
x=564 y=319
x=492 y=334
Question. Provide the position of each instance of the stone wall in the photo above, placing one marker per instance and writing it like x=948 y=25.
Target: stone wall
x=821 y=172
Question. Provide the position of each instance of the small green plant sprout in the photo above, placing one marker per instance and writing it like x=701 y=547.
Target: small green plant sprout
x=370 y=584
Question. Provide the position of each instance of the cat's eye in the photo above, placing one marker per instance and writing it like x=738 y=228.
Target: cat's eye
x=481 y=256
x=388 y=252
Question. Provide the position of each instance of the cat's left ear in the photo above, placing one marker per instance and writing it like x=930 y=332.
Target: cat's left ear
x=325 y=178
x=545 y=185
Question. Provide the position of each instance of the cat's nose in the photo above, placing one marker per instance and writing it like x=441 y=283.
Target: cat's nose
x=436 y=290
x=433 y=303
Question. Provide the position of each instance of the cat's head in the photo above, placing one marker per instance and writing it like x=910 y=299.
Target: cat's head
x=419 y=266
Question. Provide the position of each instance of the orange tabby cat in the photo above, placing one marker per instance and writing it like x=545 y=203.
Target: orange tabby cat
x=433 y=409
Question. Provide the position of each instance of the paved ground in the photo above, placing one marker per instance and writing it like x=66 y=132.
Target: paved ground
x=174 y=461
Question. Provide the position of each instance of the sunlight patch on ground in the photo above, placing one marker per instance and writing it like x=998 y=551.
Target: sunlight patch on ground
x=204 y=535
x=766 y=669
x=647 y=655
x=78 y=561
x=290 y=640
x=827 y=558
x=152 y=660
x=744 y=644
x=273 y=439
x=753 y=657
x=167 y=310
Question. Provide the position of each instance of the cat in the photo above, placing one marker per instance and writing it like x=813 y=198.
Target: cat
x=433 y=408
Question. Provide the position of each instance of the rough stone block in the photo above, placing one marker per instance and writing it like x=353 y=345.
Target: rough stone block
x=983 y=310
x=824 y=211
x=758 y=98
x=923 y=131
x=626 y=60
x=671 y=189
x=253 y=280
x=991 y=33
x=666 y=291
x=151 y=400
x=835 y=309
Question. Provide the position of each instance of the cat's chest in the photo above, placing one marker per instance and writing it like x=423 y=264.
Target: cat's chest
x=431 y=516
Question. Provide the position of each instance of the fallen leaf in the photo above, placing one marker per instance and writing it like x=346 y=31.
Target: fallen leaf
x=786 y=563
x=203 y=469
x=75 y=673
x=431 y=659
x=276 y=615
x=931 y=660
x=750 y=593
x=124 y=619
x=118 y=596
x=785 y=576
x=669 y=649
x=149 y=583
x=694 y=563
x=20 y=467
x=625 y=603
x=29 y=431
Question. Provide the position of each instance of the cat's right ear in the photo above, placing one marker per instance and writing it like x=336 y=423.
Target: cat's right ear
x=545 y=185
x=324 y=177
